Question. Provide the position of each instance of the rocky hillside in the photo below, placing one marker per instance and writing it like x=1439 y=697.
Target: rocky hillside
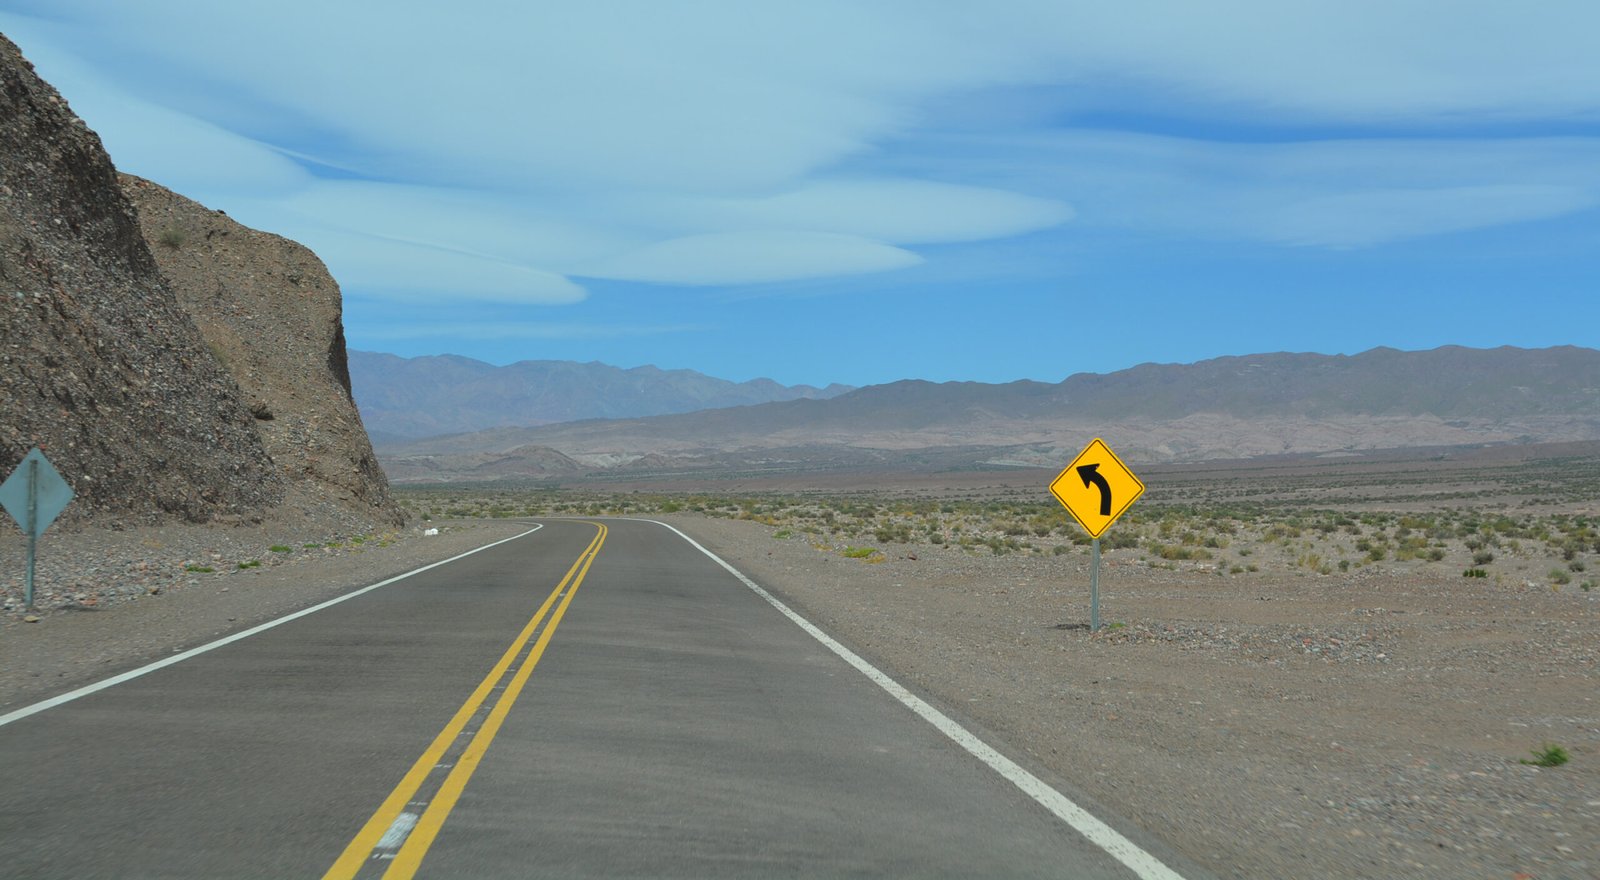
x=521 y=463
x=447 y=394
x=104 y=366
x=100 y=365
x=270 y=312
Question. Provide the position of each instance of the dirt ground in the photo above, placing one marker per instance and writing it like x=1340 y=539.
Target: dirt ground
x=1271 y=724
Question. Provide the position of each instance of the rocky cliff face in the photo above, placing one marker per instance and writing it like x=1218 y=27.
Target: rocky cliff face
x=99 y=364
x=270 y=312
x=206 y=381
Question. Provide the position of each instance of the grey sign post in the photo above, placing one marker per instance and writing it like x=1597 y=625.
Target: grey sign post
x=1096 y=488
x=34 y=495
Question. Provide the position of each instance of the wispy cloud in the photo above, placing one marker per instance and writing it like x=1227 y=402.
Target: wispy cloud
x=899 y=211
x=500 y=330
x=752 y=257
x=1330 y=193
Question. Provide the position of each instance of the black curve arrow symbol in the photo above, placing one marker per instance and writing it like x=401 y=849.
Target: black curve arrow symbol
x=1091 y=474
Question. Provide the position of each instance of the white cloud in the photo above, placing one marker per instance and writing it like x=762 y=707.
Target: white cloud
x=1336 y=193
x=1407 y=61
x=502 y=226
x=732 y=97
x=1355 y=219
x=153 y=140
x=491 y=330
x=891 y=210
x=714 y=95
x=752 y=257
x=410 y=272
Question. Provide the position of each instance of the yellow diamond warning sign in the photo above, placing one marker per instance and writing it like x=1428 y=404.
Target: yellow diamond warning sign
x=1096 y=488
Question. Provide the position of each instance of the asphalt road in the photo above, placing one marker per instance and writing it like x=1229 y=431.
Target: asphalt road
x=657 y=719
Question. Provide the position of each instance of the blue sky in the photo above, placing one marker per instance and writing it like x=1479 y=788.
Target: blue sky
x=861 y=192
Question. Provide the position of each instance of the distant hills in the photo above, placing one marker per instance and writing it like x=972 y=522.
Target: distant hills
x=403 y=398
x=1230 y=407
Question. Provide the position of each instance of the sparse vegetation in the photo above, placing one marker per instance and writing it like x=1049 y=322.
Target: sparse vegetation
x=280 y=548
x=199 y=569
x=1548 y=755
x=251 y=563
x=172 y=238
x=1184 y=529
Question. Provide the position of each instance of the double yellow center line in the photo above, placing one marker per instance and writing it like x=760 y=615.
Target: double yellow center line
x=399 y=837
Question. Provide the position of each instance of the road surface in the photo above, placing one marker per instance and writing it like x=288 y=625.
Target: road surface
x=593 y=699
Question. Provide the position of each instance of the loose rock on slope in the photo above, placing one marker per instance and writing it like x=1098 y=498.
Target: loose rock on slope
x=270 y=312
x=100 y=365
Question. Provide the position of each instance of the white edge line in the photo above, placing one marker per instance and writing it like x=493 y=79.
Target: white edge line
x=131 y=674
x=1141 y=863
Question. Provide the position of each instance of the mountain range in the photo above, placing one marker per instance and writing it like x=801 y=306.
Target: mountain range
x=402 y=398
x=1229 y=407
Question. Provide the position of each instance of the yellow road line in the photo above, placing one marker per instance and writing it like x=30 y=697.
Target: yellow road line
x=409 y=858
x=360 y=849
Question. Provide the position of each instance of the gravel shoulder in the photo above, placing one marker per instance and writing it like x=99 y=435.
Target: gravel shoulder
x=1369 y=724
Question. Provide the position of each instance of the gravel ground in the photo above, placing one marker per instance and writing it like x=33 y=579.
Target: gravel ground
x=112 y=600
x=1264 y=725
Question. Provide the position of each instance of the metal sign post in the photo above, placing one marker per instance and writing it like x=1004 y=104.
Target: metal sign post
x=34 y=495
x=1095 y=589
x=33 y=530
x=1096 y=488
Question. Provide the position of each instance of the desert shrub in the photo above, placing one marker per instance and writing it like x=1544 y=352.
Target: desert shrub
x=1548 y=755
x=893 y=534
x=1122 y=540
